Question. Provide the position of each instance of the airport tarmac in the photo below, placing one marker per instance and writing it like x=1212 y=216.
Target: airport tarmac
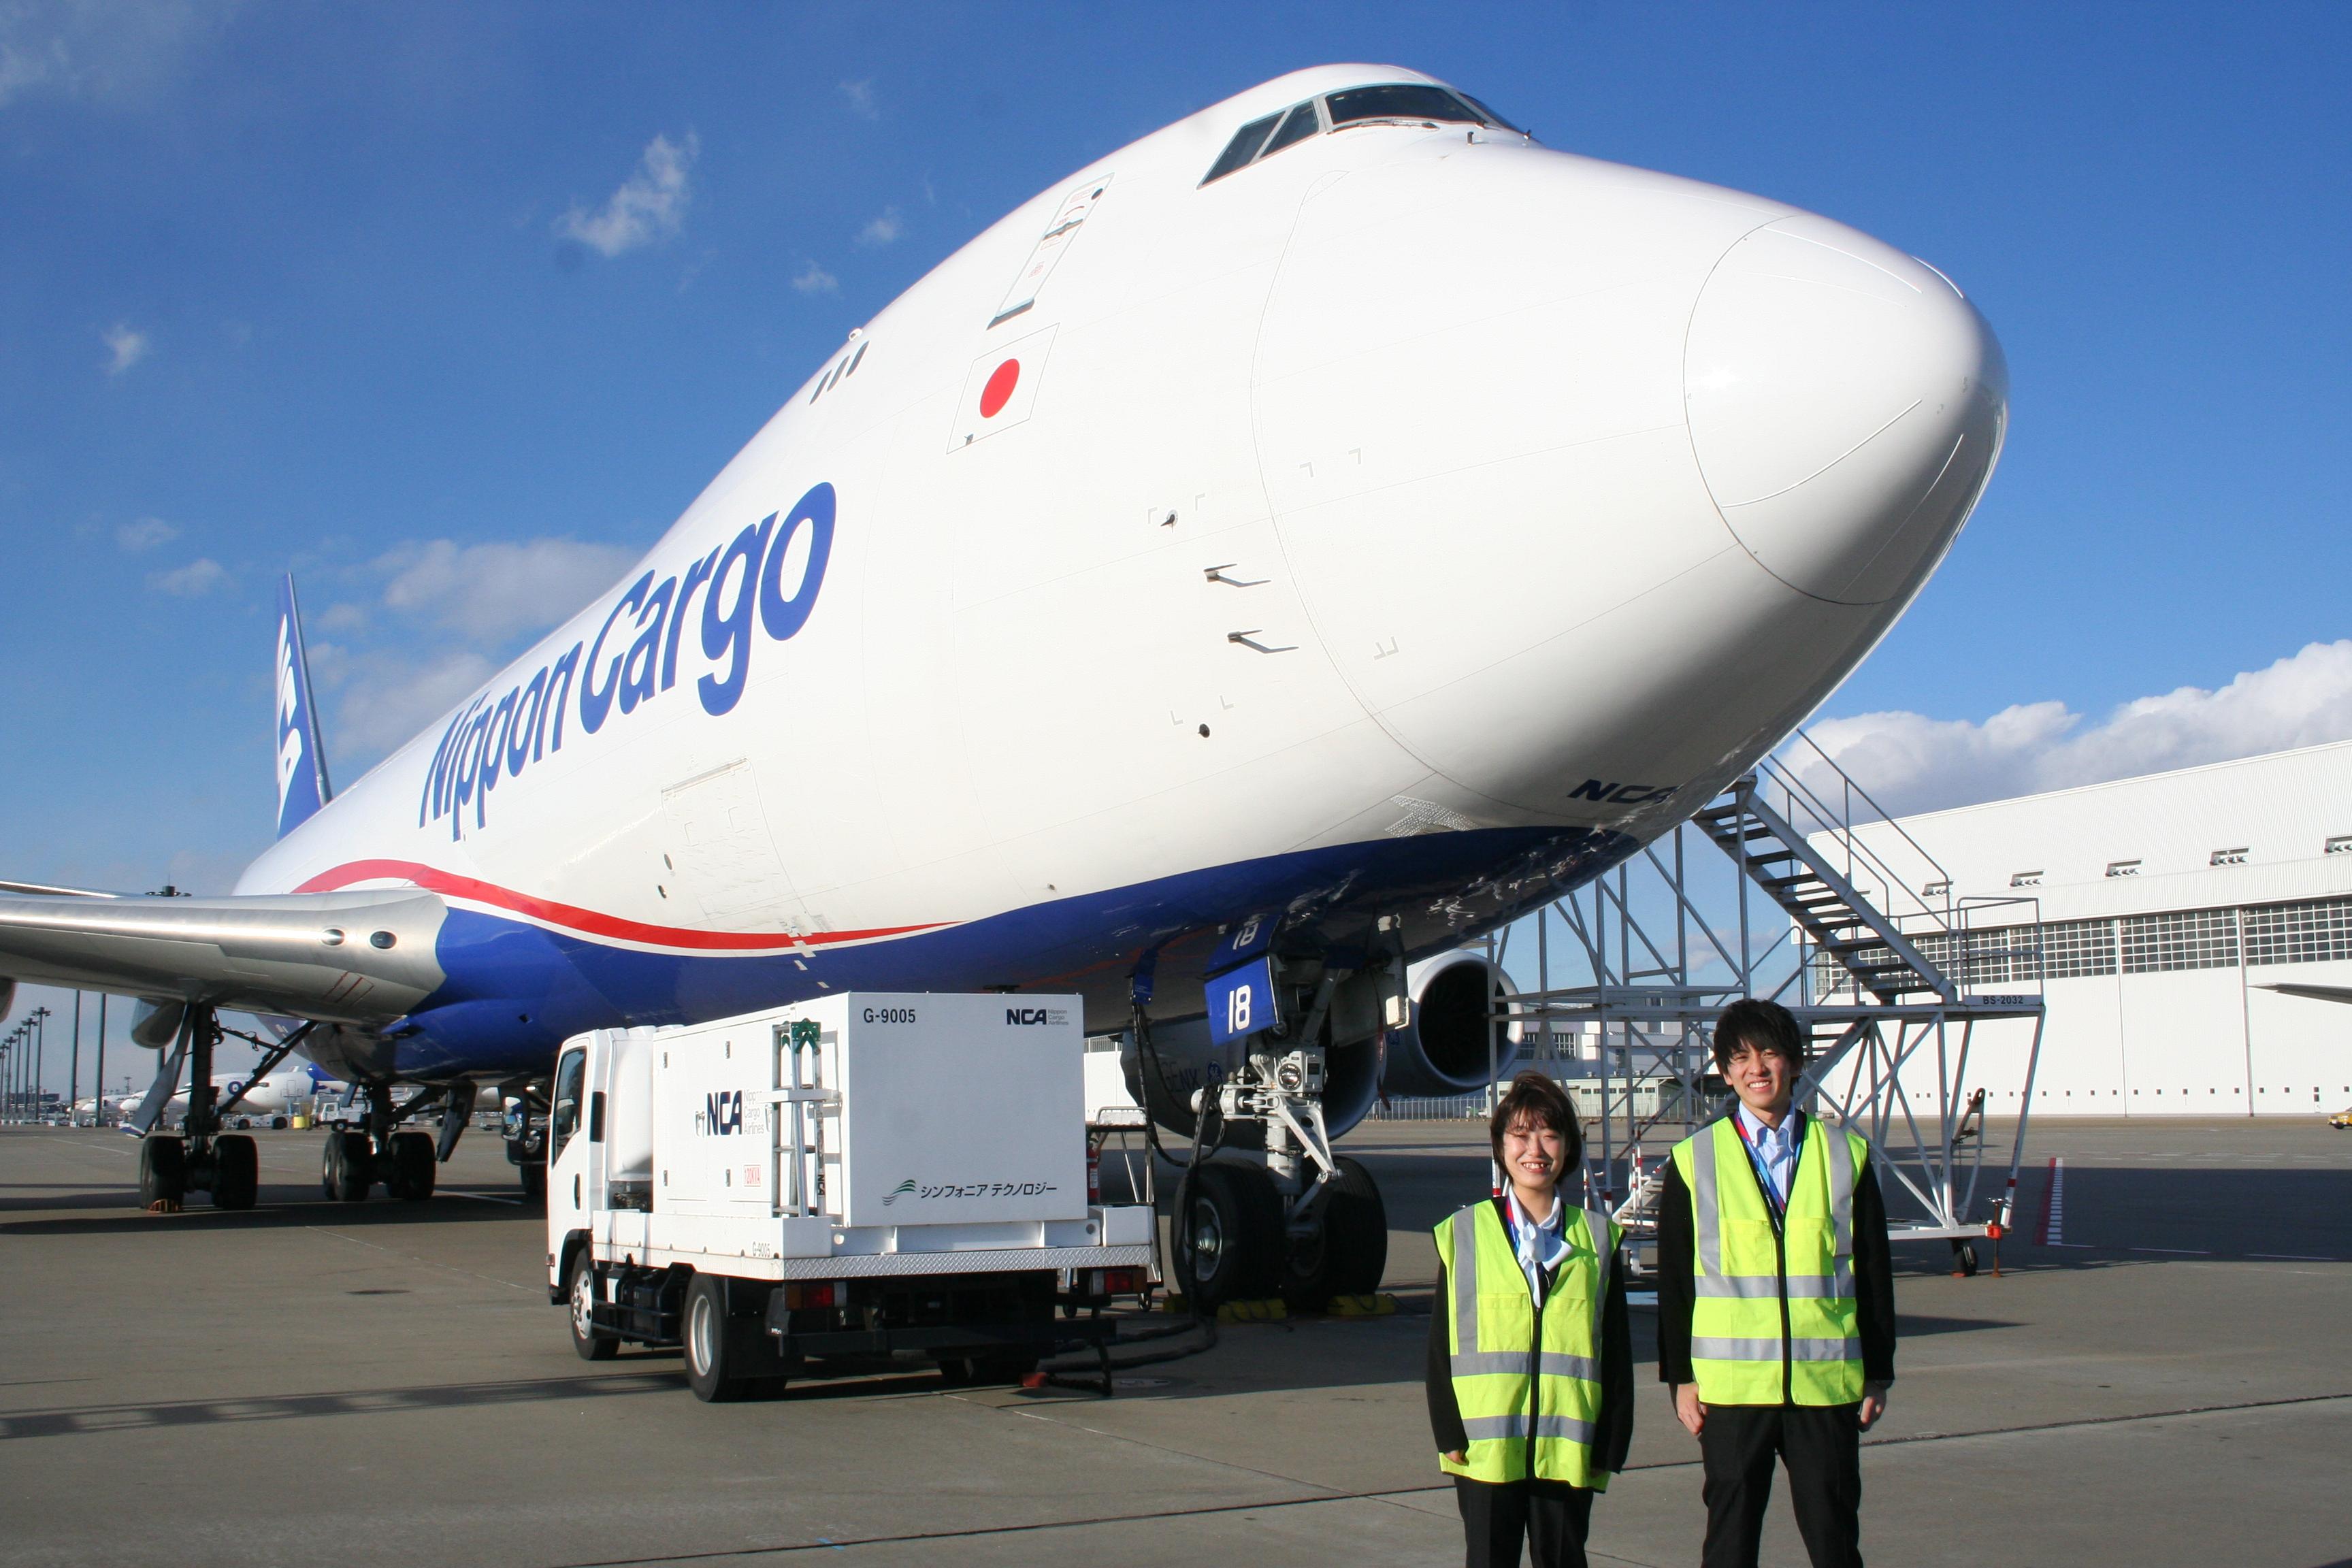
x=2169 y=1382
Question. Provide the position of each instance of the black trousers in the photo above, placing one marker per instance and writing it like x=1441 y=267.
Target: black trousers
x=1550 y=1516
x=1821 y=1447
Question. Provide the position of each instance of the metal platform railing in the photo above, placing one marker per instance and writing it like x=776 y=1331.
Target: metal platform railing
x=1878 y=960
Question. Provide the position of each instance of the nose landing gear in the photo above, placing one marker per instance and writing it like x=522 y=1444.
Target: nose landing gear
x=1306 y=1225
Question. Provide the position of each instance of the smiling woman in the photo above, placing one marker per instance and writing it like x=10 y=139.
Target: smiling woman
x=1530 y=1365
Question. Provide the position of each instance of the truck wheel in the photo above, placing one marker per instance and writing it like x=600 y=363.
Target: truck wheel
x=163 y=1169
x=1229 y=1246
x=703 y=1326
x=412 y=1167
x=1348 y=1251
x=236 y=1172
x=351 y=1167
x=589 y=1341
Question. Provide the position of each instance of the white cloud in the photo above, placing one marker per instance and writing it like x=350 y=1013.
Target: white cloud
x=27 y=64
x=125 y=346
x=650 y=205
x=883 y=229
x=815 y=279
x=1912 y=763
x=861 y=98
x=100 y=52
x=145 y=535
x=194 y=581
x=492 y=591
x=386 y=699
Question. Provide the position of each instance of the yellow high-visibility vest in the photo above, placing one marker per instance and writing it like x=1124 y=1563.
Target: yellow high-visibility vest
x=1525 y=1375
x=1774 y=1320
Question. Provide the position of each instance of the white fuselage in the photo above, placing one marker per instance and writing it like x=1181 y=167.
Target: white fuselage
x=1415 y=481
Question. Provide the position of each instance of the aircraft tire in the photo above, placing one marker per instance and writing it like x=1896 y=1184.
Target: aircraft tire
x=1349 y=1250
x=163 y=1169
x=1230 y=1247
x=414 y=1167
x=236 y=1172
x=533 y=1175
x=588 y=1341
x=349 y=1167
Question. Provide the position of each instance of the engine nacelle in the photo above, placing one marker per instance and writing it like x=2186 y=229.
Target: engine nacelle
x=1453 y=1037
x=156 y=1024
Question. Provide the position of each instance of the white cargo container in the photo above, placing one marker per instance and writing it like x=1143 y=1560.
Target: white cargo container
x=865 y=1174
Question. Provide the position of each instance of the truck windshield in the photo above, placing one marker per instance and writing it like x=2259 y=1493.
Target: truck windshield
x=563 y=1119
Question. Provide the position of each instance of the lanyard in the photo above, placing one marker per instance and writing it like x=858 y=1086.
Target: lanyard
x=1756 y=1158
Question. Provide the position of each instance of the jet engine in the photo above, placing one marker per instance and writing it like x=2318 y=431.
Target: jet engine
x=1453 y=1036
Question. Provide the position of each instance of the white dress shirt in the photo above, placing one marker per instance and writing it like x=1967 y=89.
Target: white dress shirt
x=1773 y=1151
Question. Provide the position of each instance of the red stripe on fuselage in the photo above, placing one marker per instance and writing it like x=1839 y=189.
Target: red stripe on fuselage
x=586 y=922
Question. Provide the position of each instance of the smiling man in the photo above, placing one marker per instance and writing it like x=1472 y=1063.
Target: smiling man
x=1776 y=1300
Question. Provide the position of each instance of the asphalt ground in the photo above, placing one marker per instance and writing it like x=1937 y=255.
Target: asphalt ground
x=2169 y=1381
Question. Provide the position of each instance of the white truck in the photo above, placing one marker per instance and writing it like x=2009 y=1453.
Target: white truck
x=860 y=1176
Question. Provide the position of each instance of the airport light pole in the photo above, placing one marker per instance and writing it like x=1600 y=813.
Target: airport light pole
x=41 y=1052
x=73 y=1074
x=98 y=1078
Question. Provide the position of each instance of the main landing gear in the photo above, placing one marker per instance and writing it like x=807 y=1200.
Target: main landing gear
x=352 y=1165
x=200 y=1157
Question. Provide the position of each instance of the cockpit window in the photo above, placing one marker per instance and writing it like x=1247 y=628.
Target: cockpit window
x=1387 y=104
x=1300 y=124
x=1404 y=101
x=1492 y=118
x=1241 y=149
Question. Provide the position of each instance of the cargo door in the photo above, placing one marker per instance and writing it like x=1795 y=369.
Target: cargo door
x=721 y=853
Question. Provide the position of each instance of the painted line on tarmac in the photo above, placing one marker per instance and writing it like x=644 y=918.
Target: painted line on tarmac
x=480 y=1197
x=2172 y=1251
x=1382 y=1495
x=1037 y=1527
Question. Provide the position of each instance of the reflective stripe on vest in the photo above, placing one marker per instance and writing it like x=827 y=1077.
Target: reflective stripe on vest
x=1774 y=1316
x=1527 y=1408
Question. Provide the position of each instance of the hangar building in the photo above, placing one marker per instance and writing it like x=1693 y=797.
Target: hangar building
x=2155 y=915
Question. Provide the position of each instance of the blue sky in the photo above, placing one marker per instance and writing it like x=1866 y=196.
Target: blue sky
x=359 y=291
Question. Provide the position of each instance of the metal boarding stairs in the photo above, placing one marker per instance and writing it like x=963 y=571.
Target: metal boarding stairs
x=1885 y=968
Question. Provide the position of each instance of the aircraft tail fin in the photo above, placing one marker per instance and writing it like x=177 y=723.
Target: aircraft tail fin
x=302 y=786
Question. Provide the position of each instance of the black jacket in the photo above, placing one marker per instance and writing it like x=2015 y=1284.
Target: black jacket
x=1615 y=1435
x=1873 y=1276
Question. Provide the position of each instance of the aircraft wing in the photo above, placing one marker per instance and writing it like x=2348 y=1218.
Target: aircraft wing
x=2316 y=992
x=361 y=957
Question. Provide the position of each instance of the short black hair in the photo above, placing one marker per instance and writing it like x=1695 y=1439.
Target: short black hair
x=1763 y=1026
x=1537 y=1095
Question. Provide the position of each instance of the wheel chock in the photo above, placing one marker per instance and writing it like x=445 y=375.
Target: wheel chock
x=1378 y=1305
x=1269 y=1311
x=163 y=1205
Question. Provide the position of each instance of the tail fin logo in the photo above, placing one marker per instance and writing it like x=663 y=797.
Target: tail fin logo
x=301 y=772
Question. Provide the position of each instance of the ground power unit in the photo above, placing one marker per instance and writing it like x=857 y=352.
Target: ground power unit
x=812 y=1188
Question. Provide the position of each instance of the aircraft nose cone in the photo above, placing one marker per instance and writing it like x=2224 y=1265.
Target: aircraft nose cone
x=1846 y=406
